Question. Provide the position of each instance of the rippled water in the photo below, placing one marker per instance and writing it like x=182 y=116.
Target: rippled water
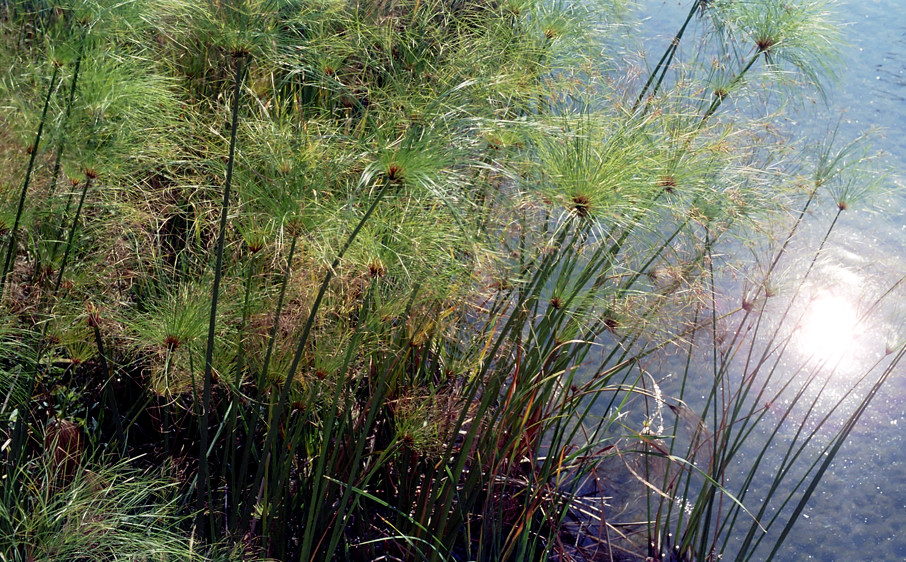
x=859 y=510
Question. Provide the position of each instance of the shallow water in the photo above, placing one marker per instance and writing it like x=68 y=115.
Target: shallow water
x=859 y=509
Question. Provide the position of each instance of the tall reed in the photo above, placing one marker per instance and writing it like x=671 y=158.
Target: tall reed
x=241 y=63
x=12 y=242
x=470 y=265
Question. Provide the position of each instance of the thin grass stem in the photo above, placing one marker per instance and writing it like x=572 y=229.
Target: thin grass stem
x=33 y=153
x=206 y=499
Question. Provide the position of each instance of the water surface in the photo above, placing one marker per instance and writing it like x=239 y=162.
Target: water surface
x=859 y=510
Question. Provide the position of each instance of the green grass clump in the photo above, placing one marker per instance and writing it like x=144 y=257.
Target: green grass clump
x=391 y=280
x=98 y=513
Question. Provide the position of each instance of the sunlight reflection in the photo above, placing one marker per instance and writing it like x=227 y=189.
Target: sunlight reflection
x=828 y=328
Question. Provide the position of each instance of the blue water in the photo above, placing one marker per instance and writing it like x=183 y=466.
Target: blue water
x=859 y=510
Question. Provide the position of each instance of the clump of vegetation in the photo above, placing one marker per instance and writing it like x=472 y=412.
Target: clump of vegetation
x=388 y=280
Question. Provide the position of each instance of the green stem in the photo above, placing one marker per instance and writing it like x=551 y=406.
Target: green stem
x=230 y=461
x=719 y=99
x=203 y=472
x=110 y=399
x=830 y=455
x=666 y=60
x=261 y=382
x=11 y=246
x=277 y=412
x=72 y=231
x=61 y=143
x=165 y=425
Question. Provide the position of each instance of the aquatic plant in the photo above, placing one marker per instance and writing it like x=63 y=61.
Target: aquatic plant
x=96 y=513
x=395 y=279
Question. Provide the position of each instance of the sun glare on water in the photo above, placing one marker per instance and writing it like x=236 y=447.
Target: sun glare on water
x=829 y=328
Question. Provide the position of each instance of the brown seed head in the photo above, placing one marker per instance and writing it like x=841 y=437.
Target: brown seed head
x=295 y=225
x=764 y=44
x=254 y=246
x=172 y=342
x=667 y=182
x=94 y=316
x=376 y=269
x=581 y=204
x=63 y=439
x=394 y=172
